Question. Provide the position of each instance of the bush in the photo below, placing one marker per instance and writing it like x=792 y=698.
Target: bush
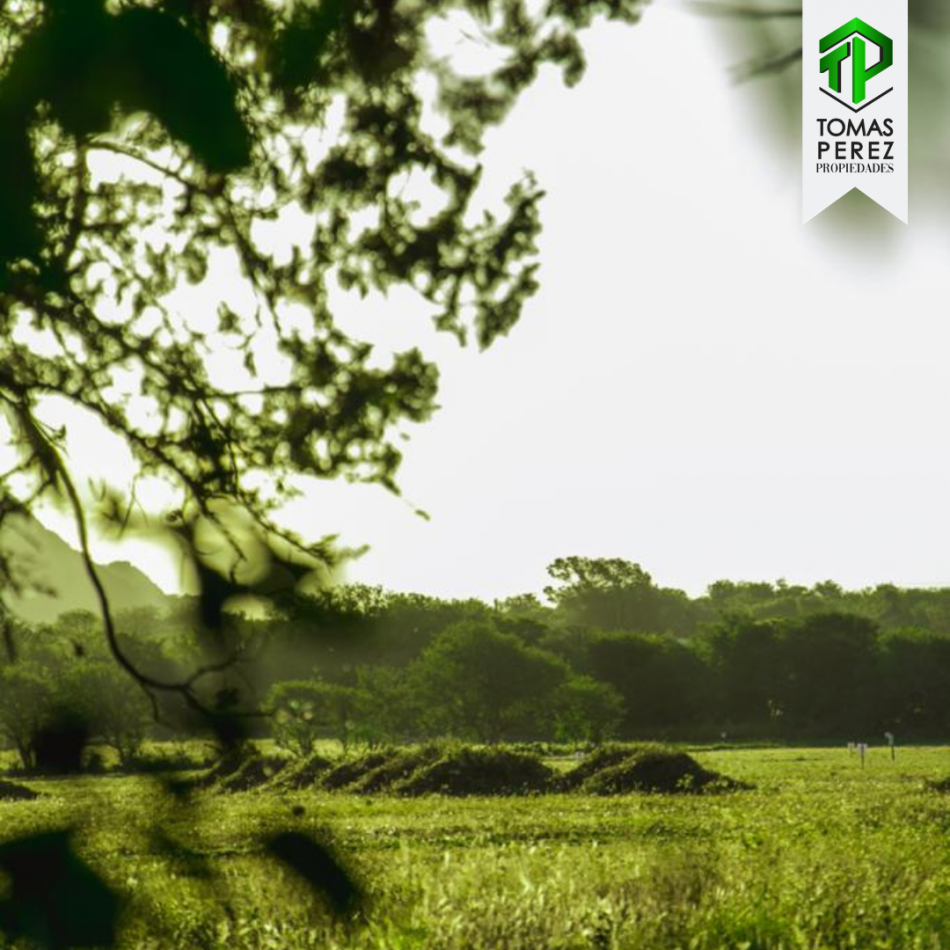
x=94 y=762
x=586 y=710
x=306 y=710
x=468 y=771
x=173 y=758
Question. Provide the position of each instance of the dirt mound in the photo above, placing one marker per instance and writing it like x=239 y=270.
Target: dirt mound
x=396 y=769
x=255 y=772
x=11 y=792
x=353 y=770
x=479 y=772
x=607 y=756
x=303 y=774
x=228 y=764
x=657 y=770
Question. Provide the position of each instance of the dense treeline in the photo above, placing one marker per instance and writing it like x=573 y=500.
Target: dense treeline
x=610 y=654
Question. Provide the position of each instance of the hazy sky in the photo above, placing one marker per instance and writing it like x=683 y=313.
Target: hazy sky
x=702 y=385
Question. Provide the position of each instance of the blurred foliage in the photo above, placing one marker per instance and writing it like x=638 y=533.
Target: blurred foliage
x=145 y=147
x=55 y=900
x=212 y=109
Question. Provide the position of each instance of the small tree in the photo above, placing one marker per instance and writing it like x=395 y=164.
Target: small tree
x=587 y=710
x=390 y=708
x=476 y=681
x=150 y=146
x=114 y=707
x=27 y=706
x=304 y=711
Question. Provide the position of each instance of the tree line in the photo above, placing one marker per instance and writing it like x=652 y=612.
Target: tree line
x=608 y=655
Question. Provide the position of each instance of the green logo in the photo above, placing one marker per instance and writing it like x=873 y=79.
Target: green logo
x=860 y=74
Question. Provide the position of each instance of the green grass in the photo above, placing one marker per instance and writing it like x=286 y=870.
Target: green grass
x=822 y=854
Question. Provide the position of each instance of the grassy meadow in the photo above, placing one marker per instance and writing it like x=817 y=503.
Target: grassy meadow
x=820 y=854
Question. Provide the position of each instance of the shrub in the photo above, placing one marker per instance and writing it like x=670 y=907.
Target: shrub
x=306 y=710
x=173 y=758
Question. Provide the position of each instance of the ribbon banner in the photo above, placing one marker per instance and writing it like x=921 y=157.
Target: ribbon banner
x=854 y=103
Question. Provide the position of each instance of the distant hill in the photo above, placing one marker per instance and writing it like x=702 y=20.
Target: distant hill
x=47 y=560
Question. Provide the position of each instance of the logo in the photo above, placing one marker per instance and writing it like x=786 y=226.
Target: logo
x=855 y=50
x=857 y=65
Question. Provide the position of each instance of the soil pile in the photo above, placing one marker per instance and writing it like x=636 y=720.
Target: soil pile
x=11 y=792
x=607 y=756
x=351 y=771
x=657 y=770
x=228 y=764
x=396 y=769
x=253 y=773
x=479 y=772
x=303 y=774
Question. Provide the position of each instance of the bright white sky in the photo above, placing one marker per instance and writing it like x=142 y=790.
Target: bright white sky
x=702 y=385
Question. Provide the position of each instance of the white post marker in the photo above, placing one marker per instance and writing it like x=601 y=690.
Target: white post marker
x=890 y=741
x=854 y=103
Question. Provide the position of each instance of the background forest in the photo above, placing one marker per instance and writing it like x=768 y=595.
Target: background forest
x=606 y=654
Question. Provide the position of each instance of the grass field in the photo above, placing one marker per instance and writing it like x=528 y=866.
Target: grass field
x=822 y=854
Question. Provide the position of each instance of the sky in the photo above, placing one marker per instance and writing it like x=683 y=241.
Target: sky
x=702 y=385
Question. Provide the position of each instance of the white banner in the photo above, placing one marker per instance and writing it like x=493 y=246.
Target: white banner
x=854 y=103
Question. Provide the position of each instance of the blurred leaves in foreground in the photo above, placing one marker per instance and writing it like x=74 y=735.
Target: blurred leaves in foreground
x=54 y=899
x=317 y=865
x=220 y=123
x=83 y=63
